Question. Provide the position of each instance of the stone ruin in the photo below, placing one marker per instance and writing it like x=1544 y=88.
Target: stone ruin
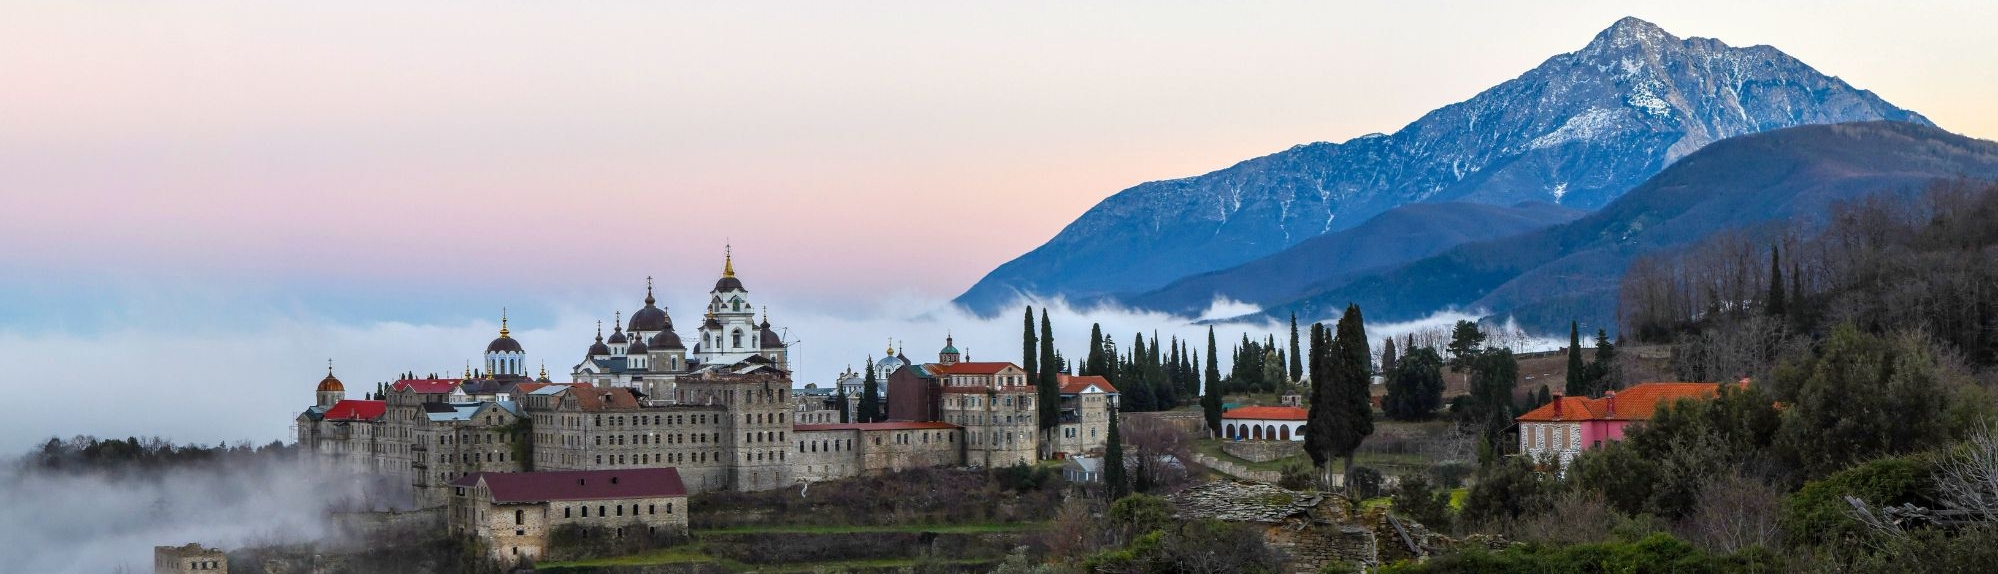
x=1312 y=528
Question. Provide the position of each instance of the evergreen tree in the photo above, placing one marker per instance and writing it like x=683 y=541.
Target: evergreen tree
x=1603 y=372
x=1415 y=390
x=1352 y=396
x=1213 y=380
x=845 y=406
x=1050 y=375
x=1092 y=363
x=1494 y=374
x=1389 y=357
x=1466 y=341
x=1776 y=302
x=1030 y=347
x=1578 y=375
x=1113 y=461
x=1296 y=356
x=870 y=395
x=1321 y=420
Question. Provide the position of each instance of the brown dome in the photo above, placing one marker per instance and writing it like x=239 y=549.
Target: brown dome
x=331 y=384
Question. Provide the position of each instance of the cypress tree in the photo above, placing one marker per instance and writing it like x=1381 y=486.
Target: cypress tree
x=1113 y=461
x=1030 y=347
x=845 y=415
x=1578 y=379
x=1296 y=357
x=1049 y=377
x=1092 y=362
x=1212 y=384
x=1389 y=358
x=1321 y=419
x=1351 y=393
x=1776 y=303
x=870 y=397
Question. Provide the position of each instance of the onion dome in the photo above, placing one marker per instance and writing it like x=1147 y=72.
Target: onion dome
x=599 y=348
x=950 y=348
x=651 y=318
x=617 y=332
x=637 y=347
x=667 y=340
x=505 y=342
x=330 y=383
x=728 y=281
x=770 y=340
x=711 y=323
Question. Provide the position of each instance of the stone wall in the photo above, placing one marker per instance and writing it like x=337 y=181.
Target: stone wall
x=1191 y=422
x=1236 y=469
x=1262 y=451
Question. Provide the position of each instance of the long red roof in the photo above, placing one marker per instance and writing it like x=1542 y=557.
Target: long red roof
x=356 y=410
x=1267 y=413
x=427 y=386
x=1637 y=403
x=891 y=425
x=578 y=484
x=987 y=368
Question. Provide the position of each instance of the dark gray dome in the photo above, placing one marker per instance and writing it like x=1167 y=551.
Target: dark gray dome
x=503 y=344
x=667 y=340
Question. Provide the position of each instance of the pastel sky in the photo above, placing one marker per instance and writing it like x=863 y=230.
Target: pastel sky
x=260 y=177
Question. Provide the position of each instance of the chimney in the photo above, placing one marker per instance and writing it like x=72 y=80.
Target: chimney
x=1609 y=397
x=1557 y=406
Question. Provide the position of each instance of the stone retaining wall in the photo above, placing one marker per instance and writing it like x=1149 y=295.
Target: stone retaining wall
x=1262 y=450
x=1237 y=470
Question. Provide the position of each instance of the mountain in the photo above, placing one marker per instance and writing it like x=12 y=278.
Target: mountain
x=1751 y=183
x=1399 y=236
x=1578 y=130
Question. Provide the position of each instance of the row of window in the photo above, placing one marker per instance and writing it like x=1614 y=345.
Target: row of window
x=602 y=511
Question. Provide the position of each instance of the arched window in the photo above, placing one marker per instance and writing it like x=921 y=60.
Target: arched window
x=1285 y=432
x=736 y=338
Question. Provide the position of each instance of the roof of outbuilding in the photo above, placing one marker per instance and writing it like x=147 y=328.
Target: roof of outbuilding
x=1267 y=414
x=1636 y=403
x=578 y=484
x=984 y=368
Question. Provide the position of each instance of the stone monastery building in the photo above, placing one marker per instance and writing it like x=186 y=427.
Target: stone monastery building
x=720 y=414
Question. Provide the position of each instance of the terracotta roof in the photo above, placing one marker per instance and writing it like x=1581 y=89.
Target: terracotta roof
x=1636 y=403
x=595 y=399
x=1267 y=413
x=427 y=386
x=1075 y=385
x=969 y=368
x=578 y=484
x=894 y=425
x=356 y=410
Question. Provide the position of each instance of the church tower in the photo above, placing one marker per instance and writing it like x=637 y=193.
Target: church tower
x=730 y=333
x=330 y=391
x=949 y=354
x=504 y=357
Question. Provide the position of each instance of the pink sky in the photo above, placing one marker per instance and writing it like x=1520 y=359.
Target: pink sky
x=847 y=148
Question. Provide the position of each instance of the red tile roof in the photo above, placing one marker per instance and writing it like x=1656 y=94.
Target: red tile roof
x=1267 y=413
x=969 y=368
x=1071 y=384
x=1636 y=403
x=892 y=425
x=595 y=399
x=356 y=410
x=578 y=484
x=427 y=386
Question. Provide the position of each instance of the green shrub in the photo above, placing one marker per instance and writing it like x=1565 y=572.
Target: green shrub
x=1818 y=513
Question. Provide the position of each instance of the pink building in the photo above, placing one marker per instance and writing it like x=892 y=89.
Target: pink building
x=1558 y=431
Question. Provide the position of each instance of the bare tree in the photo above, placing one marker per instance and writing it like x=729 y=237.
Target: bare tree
x=1967 y=479
x=1735 y=512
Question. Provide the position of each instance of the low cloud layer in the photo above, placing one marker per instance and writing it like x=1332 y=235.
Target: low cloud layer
x=95 y=523
x=158 y=375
